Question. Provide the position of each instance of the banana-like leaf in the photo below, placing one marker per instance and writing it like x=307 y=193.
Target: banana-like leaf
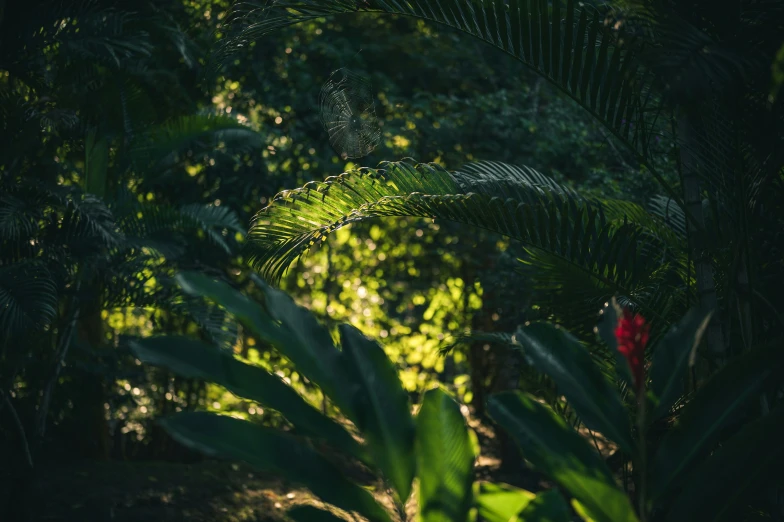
x=445 y=460
x=271 y=451
x=501 y=502
x=292 y=330
x=312 y=514
x=380 y=408
x=671 y=358
x=197 y=360
x=555 y=352
x=719 y=488
x=504 y=503
x=549 y=506
x=718 y=403
x=558 y=451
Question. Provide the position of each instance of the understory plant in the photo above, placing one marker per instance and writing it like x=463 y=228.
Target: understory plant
x=435 y=446
x=713 y=455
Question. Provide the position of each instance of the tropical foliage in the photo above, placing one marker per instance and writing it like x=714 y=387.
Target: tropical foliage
x=583 y=263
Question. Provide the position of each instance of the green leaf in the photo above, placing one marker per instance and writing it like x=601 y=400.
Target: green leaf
x=311 y=514
x=557 y=450
x=549 y=506
x=247 y=311
x=292 y=330
x=308 y=344
x=746 y=463
x=194 y=359
x=380 y=408
x=701 y=421
x=582 y=250
x=445 y=460
x=273 y=452
x=501 y=502
x=671 y=358
x=555 y=352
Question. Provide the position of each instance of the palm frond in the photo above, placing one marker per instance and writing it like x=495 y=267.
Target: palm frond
x=669 y=212
x=165 y=228
x=28 y=299
x=214 y=221
x=162 y=144
x=618 y=256
x=570 y=43
x=88 y=219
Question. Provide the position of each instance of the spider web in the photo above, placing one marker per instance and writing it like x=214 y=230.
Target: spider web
x=348 y=114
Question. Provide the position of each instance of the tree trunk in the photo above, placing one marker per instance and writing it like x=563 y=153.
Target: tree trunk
x=509 y=366
x=89 y=409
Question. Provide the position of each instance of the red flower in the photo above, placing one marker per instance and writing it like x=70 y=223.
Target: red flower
x=632 y=336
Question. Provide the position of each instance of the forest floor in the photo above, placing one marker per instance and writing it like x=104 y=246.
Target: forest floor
x=206 y=491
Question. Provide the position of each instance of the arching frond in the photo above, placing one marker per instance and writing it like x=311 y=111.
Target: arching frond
x=617 y=255
x=570 y=43
x=159 y=226
x=669 y=212
x=199 y=131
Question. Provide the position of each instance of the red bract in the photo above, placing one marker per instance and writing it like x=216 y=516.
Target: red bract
x=632 y=336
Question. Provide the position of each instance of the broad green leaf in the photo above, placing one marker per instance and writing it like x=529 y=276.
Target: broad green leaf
x=292 y=330
x=195 y=359
x=247 y=311
x=555 y=352
x=701 y=421
x=549 y=506
x=308 y=344
x=611 y=314
x=380 y=408
x=273 y=452
x=558 y=451
x=501 y=502
x=445 y=460
x=747 y=462
x=671 y=358
x=312 y=514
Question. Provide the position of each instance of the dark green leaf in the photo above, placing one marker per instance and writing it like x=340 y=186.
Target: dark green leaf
x=701 y=421
x=445 y=460
x=671 y=358
x=194 y=359
x=289 y=328
x=549 y=506
x=380 y=407
x=555 y=352
x=720 y=487
x=558 y=451
x=273 y=452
